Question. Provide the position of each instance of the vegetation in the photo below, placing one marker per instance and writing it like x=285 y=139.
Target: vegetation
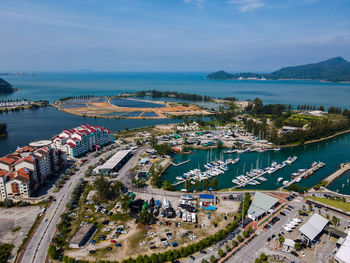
x=5 y=252
x=172 y=255
x=3 y=129
x=334 y=69
x=337 y=203
x=172 y=94
x=82 y=97
x=107 y=190
x=262 y=258
x=5 y=87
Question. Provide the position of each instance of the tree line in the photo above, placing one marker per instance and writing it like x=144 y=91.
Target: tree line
x=82 y=97
x=3 y=129
x=172 y=94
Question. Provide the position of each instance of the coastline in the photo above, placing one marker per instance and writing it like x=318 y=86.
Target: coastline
x=316 y=140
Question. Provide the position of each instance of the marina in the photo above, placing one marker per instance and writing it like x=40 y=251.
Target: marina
x=331 y=152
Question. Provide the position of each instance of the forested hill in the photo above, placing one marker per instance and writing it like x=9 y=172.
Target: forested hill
x=5 y=87
x=334 y=69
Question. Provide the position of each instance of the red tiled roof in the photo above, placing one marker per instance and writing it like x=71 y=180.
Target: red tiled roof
x=71 y=145
x=3 y=172
x=7 y=160
x=23 y=172
x=22 y=178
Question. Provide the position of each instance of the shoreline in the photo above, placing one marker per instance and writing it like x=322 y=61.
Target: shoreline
x=316 y=140
x=344 y=167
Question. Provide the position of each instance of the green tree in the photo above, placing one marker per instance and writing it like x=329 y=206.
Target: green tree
x=219 y=144
x=263 y=257
x=206 y=184
x=281 y=239
x=228 y=248
x=166 y=185
x=5 y=252
x=188 y=185
x=214 y=183
x=212 y=259
x=239 y=238
x=250 y=230
x=245 y=233
x=297 y=246
x=145 y=217
x=220 y=252
x=103 y=188
x=124 y=203
x=153 y=141
x=234 y=243
x=53 y=252
x=197 y=183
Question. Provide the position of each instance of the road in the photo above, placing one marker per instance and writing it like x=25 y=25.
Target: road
x=36 y=250
x=124 y=173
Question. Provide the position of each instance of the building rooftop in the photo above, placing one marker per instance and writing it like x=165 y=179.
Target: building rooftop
x=261 y=204
x=314 y=226
x=114 y=160
x=343 y=254
x=78 y=237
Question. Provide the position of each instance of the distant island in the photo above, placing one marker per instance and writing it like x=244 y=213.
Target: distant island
x=5 y=87
x=335 y=70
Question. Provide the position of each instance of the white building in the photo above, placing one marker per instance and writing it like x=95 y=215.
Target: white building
x=23 y=171
x=77 y=141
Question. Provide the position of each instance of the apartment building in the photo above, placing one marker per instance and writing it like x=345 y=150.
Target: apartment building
x=80 y=140
x=23 y=171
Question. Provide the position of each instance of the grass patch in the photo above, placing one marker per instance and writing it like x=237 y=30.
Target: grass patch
x=138 y=237
x=120 y=217
x=335 y=203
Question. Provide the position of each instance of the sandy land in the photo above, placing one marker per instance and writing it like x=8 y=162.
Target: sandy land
x=15 y=224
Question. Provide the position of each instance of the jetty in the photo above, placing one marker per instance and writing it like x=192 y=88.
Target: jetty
x=178 y=164
x=308 y=172
x=344 y=167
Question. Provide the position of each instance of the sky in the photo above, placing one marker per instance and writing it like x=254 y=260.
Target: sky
x=171 y=35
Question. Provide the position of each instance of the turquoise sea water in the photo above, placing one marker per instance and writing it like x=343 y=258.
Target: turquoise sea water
x=30 y=125
x=332 y=152
x=51 y=86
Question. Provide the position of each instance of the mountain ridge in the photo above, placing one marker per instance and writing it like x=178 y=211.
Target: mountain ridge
x=5 y=87
x=335 y=69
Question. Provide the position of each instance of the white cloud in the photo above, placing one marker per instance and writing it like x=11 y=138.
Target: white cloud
x=247 y=5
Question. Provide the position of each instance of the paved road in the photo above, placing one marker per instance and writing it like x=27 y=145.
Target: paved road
x=258 y=245
x=36 y=250
x=124 y=173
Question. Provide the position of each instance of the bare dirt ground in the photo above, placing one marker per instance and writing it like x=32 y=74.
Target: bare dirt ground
x=15 y=224
x=100 y=109
x=131 y=242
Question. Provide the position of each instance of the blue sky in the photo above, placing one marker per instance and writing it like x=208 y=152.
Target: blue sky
x=171 y=35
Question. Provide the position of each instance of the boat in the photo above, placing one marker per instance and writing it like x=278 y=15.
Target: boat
x=279 y=179
x=285 y=182
x=224 y=168
x=230 y=151
x=235 y=160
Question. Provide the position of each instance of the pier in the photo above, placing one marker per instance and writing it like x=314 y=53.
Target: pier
x=308 y=172
x=344 y=167
x=178 y=164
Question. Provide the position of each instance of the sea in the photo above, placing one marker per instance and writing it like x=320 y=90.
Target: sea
x=29 y=125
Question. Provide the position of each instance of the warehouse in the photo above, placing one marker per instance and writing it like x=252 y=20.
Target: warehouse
x=82 y=236
x=115 y=163
x=261 y=205
x=313 y=228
